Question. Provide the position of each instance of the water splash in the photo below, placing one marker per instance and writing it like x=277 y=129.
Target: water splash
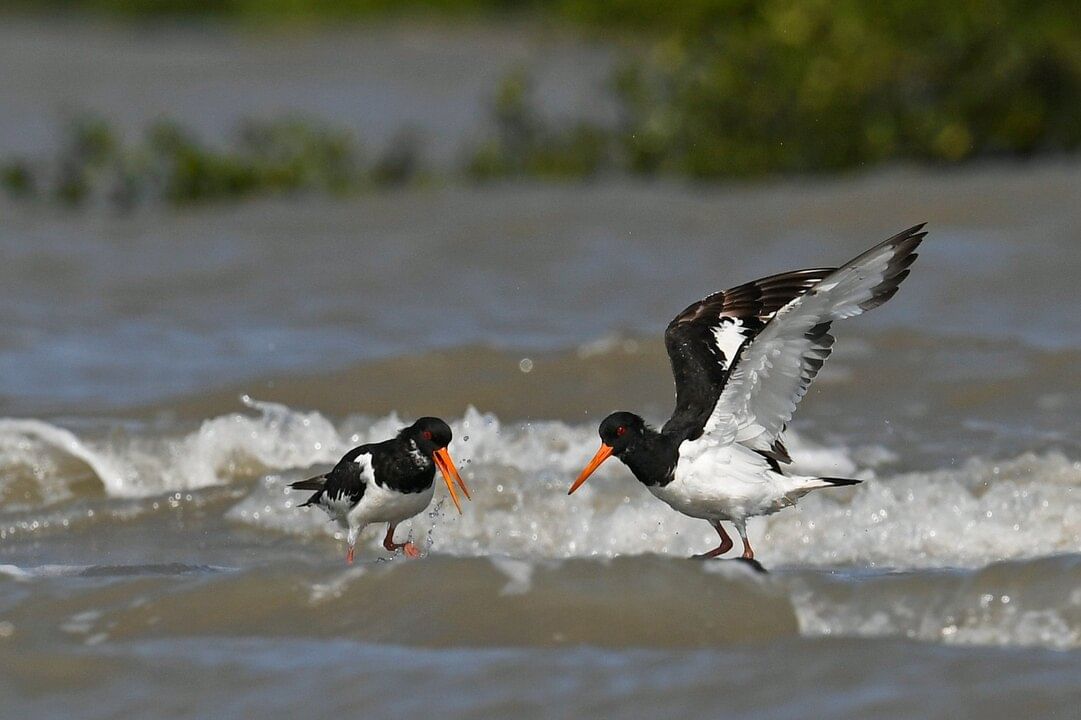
x=981 y=511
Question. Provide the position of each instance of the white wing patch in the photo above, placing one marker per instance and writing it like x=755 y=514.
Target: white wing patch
x=729 y=337
x=338 y=503
x=772 y=376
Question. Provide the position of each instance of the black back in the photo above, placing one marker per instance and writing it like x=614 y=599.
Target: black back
x=396 y=464
x=345 y=481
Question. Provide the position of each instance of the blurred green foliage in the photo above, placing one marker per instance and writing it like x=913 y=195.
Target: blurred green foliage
x=717 y=88
x=17 y=179
x=523 y=145
x=279 y=157
x=277 y=10
x=746 y=88
x=170 y=164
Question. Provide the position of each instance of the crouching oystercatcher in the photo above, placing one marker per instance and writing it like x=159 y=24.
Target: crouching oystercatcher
x=389 y=482
x=742 y=360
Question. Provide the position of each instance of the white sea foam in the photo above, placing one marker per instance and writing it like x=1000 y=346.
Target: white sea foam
x=34 y=447
x=222 y=449
x=1034 y=602
x=970 y=515
x=519 y=574
x=23 y=574
x=979 y=512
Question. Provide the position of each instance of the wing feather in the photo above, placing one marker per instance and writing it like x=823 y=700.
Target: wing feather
x=775 y=369
x=705 y=339
x=343 y=487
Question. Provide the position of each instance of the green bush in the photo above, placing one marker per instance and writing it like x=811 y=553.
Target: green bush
x=276 y=157
x=741 y=87
x=525 y=145
x=706 y=89
x=17 y=179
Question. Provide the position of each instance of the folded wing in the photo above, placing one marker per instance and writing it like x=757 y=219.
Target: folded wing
x=340 y=489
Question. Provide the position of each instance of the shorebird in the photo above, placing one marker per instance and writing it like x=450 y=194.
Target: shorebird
x=389 y=482
x=742 y=360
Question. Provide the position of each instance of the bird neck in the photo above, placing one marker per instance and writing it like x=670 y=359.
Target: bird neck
x=401 y=466
x=652 y=457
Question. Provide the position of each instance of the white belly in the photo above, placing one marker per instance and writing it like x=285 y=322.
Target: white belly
x=381 y=504
x=721 y=482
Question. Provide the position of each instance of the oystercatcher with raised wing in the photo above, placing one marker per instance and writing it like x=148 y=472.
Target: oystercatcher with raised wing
x=389 y=482
x=742 y=360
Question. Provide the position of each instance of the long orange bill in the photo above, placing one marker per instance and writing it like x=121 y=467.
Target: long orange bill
x=603 y=454
x=450 y=476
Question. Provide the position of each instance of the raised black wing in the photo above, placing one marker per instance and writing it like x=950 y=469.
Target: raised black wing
x=775 y=369
x=705 y=340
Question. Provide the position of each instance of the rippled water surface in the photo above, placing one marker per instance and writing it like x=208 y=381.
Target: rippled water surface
x=166 y=375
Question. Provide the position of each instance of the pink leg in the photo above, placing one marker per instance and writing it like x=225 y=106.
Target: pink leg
x=407 y=547
x=725 y=546
x=748 y=553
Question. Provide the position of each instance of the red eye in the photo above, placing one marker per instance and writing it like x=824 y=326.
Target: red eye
x=427 y=434
x=620 y=431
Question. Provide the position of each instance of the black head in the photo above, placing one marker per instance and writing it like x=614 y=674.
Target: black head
x=620 y=430
x=430 y=434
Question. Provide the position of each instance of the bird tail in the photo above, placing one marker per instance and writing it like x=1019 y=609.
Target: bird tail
x=316 y=483
x=804 y=485
x=836 y=481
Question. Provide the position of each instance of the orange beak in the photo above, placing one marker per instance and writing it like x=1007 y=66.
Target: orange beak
x=603 y=454
x=450 y=473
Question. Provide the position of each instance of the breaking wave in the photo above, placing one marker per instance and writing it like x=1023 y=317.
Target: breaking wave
x=978 y=512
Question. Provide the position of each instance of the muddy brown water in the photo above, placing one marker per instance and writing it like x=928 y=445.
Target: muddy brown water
x=153 y=564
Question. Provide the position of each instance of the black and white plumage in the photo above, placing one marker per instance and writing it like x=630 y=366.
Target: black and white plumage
x=742 y=360
x=389 y=482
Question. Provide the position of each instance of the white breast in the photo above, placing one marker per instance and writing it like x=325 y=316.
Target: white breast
x=381 y=504
x=721 y=482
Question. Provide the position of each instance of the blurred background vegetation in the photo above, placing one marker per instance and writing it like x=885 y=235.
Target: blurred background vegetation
x=705 y=89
